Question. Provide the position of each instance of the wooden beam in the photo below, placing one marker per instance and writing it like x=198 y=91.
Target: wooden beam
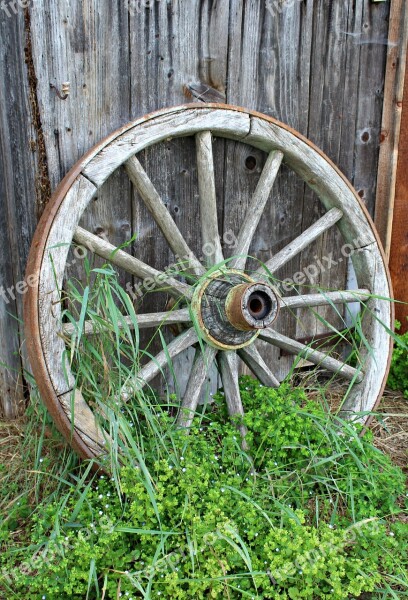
x=391 y=121
x=399 y=240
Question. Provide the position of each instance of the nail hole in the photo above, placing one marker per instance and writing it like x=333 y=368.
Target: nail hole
x=250 y=163
x=99 y=231
x=176 y=209
x=365 y=137
x=361 y=193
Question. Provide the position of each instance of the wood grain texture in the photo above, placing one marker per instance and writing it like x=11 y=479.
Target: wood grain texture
x=131 y=264
x=302 y=241
x=202 y=364
x=18 y=205
x=256 y=209
x=314 y=356
x=229 y=367
x=210 y=233
x=153 y=320
x=277 y=62
x=156 y=365
x=399 y=240
x=391 y=121
x=257 y=365
x=324 y=298
x=161 y=215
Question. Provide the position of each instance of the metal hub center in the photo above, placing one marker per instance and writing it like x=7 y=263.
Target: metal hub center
x=231 y=309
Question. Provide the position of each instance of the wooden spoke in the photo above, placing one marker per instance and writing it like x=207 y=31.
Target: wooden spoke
x=256 y=208
x=302 y=241
x=154 y=367
x=325 y=298
x=210 y=236
x=313 y=356
x=77 y=416
x=161 y=215
x=142 y=322
x=131 y=264
x=259 y=368
x=228 y=362
x=202 y=364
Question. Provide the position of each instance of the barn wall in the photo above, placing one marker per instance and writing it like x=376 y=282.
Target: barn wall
x=317 y=65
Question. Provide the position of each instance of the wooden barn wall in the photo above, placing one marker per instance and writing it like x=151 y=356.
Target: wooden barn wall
x=316 y=65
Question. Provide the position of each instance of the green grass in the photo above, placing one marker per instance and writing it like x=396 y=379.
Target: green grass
x=309 y=510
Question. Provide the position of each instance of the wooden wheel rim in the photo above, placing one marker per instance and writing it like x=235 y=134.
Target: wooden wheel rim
x=82 y=182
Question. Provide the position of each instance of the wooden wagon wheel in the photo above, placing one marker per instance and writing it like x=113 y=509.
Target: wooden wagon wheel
x=231 y=309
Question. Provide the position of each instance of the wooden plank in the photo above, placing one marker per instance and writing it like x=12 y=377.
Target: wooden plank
x=399 y=240
x=391 y=121
x=171 y=47
x=20 y=189
x=78 y=45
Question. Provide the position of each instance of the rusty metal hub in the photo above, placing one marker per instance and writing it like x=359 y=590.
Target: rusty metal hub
x=231 y=309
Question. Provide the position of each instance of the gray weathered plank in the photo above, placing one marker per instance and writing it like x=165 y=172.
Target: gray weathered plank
x=20 y=199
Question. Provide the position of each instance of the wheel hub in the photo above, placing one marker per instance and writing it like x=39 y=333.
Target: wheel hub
x=231 y=309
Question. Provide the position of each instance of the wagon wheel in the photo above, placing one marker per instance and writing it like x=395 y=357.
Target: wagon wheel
x=230 y=309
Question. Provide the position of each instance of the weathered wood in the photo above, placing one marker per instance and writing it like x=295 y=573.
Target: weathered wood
x=202 y=364
x=399 y=240
x=228 y=362
x=314 y=356
x=157 y=279
x=256 y=209
x=259 y=368
x=391 y=121
x=210 y=234
x=302 y=241
x=148 y=321
x=324 y=299
x=20 y=192
x=161 y=215
x=156 y=365
x=342 y=206
x=50 y=286
x=220 y=46
x=172 y=124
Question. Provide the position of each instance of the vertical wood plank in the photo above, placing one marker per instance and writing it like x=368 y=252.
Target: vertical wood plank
x=391 y=121
x=18 y=152
x=399 y=240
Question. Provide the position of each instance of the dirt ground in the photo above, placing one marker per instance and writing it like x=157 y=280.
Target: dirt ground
x=391 y=429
